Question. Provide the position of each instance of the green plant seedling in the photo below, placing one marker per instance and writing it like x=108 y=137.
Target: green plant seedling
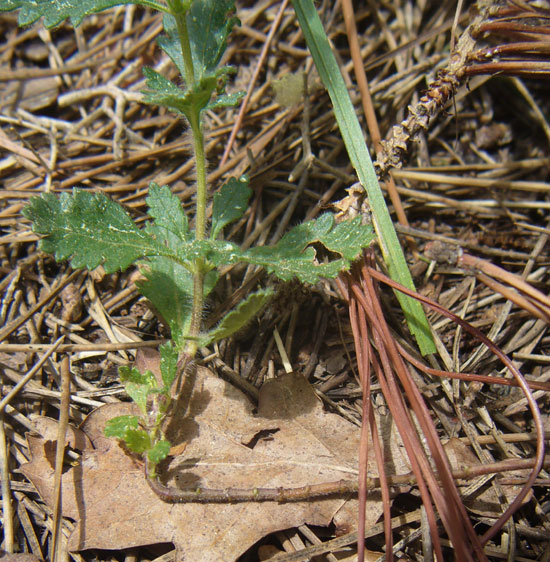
x=179 y=263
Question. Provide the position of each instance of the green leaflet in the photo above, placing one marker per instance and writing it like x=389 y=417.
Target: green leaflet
x=189 y=102
x=165 y=93
x=229 y=204
x=56 y=11
x=89 y=229
x=137 y=440
x=126 y=428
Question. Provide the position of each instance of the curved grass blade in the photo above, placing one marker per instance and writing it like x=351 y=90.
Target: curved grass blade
x=358 y=153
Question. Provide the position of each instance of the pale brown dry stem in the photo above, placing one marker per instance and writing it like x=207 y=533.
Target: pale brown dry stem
x=307 y=493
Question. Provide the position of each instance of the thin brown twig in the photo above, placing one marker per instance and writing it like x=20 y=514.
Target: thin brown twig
x=281 y=494
x=56 y=552
x=7 y=505
x=253 y=80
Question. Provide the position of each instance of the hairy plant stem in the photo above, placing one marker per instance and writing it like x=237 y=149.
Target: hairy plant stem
x=200 y=163
x=200 y=234
x=179 y=11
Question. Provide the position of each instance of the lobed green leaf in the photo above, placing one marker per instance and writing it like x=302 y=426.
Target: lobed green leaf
x=138 y=385
x=159 y=451
x=137 y=440
x=189 y=102
x=89 y=229
x=56 y=11
x=293 y=255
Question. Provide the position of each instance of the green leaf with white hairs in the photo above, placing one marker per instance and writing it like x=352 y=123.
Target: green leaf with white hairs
x=89 y=229
x=166 y=210
x=189 y=102
x=229 y=204
x=293 y=255
x=56 y=11
x=244 y=312
x=209 y=26
x=169 y=286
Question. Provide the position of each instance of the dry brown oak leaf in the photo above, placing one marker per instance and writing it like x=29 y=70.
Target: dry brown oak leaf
x=291 y=441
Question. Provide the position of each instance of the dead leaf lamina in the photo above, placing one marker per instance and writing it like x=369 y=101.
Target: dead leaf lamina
x=290 y=442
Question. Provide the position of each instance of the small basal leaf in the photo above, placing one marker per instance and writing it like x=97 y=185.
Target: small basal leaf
x=159 y=451
x=241 y=315
x=229 y=203
x=138 y=385
x=167 y=212
x=168 y=364
x=137 y=440
x=117 y=427
x=89 y=229
x=56 y=11
x=131 y=374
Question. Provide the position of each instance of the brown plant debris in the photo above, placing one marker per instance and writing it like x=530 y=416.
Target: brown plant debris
x=291 y=442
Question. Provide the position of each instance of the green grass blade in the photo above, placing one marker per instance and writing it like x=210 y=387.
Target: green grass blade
x=350 y=129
